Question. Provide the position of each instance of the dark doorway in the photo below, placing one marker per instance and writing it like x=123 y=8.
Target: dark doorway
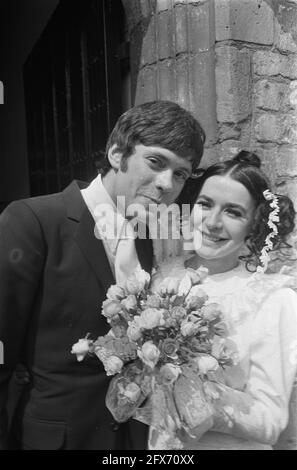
x=73 y=91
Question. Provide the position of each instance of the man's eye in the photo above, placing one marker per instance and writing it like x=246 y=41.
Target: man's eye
x=181 y=175
x=155 y=162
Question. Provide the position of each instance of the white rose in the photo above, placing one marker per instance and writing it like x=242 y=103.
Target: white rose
x=149 y=354
x=188 y=328
x=151 y=318
x=115 y=292
x=113 y=365
x=185 y=285
x=206 y=364
x=130 y=302
x=81 y=348
x=133 y=332
x=169 y=286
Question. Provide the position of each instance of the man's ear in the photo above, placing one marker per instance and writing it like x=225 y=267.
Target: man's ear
x=114 y=157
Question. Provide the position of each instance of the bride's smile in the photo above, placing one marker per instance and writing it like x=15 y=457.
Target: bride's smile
x=227 y=212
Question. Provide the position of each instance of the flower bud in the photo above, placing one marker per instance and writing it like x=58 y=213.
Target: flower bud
x=169 y=347
x=211 y=312
x=133 y=332
x=111 y=308
x=129 y=303
x=81 y=348
x=151 y=318
x=170 y=372
x=115 y=292
x=113 y=365
x=184 y=286
x=149 y=354
x=153 y=301
x=194 y=276
x=188 y=328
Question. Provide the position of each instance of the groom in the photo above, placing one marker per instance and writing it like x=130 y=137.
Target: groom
x=55 y=269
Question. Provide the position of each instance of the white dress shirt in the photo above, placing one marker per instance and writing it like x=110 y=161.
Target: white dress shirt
x=110 y=223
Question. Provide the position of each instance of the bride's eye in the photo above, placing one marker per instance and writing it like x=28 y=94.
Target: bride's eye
x=234 y=212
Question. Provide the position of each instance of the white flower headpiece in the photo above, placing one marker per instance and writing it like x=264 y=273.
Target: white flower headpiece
x=273 y=217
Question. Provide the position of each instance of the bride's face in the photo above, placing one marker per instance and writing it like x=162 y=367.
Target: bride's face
x=227 y=213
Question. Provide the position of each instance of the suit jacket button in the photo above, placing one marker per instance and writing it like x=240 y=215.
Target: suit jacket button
x=114 y=426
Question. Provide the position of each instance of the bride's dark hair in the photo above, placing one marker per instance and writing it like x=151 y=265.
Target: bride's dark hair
x=245 y=168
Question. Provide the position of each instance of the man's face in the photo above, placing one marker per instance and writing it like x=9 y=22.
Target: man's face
x=154 y=175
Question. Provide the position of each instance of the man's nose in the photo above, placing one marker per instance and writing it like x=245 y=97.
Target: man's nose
x=164 y=180
x=213 y=219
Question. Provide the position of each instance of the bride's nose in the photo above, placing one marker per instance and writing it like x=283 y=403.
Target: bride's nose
x=213 y=220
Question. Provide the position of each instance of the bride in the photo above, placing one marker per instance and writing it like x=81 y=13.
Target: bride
x=240 y=212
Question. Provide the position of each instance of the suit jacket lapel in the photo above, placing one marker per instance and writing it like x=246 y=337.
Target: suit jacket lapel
x=92 y=247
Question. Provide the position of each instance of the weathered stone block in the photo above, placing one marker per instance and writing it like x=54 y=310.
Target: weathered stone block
x=232 y=83
x=148 y=44
x=244 y=20
x=201 y=35
x=273 y=63
x=285 y=41
x=267 y=128
x=229 y=131
x=182 y=81
x=228 y=149
x=146 y=89
x=162 y=5
x=278 y=128
x=164 y=36
x=181 y=27
x=271 y=95
x=286 y=28
x=286 y=164
x=202 y=93
x=166 y=80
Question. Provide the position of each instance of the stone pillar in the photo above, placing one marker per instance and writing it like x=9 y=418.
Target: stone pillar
x=173 y=55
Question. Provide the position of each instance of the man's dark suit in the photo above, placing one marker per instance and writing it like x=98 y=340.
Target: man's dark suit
x=54 y=275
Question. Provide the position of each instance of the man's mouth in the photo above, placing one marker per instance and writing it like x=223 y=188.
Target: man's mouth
x=151 y=198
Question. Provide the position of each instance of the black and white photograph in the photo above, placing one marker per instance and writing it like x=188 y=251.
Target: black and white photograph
x=148 y=236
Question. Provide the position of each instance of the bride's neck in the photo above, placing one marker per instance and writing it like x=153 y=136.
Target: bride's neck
x=214 y=266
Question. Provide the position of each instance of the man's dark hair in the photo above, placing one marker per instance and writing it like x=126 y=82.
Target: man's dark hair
x=157 y=123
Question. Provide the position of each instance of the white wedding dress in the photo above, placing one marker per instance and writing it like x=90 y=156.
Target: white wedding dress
x=261 y=312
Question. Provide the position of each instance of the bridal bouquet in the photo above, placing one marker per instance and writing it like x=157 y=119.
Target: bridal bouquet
x=166 y=350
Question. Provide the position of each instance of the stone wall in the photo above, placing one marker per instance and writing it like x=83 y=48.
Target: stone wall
x=233 y=63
